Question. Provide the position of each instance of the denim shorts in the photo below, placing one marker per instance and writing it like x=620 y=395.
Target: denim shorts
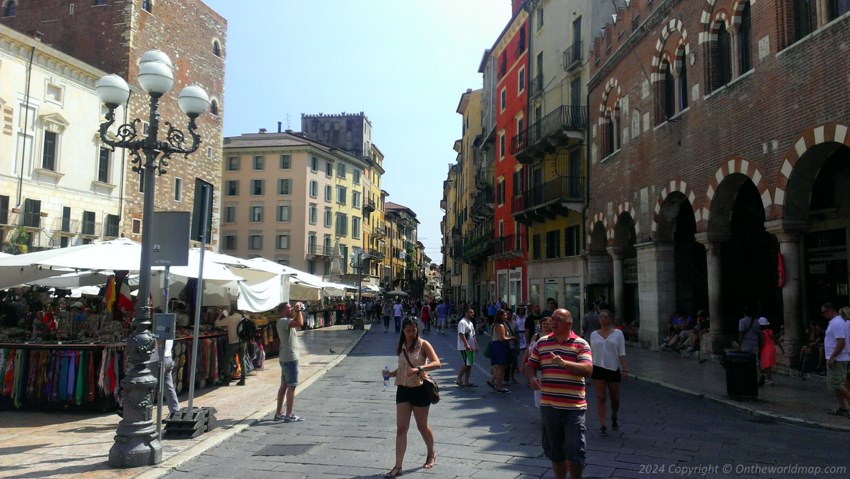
x=563 y=434
x=289 y=373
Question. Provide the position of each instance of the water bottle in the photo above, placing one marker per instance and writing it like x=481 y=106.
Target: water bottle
x=386 y=372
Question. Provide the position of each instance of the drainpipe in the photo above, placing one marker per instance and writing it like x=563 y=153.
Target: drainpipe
x=26 y=122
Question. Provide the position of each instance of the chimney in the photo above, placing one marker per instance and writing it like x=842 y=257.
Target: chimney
x=263 y=130
x=278 y=126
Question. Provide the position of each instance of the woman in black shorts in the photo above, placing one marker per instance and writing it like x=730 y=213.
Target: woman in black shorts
x=608 y=346
x=411 y=396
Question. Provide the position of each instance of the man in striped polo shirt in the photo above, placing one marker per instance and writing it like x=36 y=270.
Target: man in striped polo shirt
x=564 y=360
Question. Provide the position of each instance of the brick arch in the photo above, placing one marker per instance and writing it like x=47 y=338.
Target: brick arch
x=827 y=133
x=676 y=185
x=600 y=218
x=609 y=87
x=734 y=165
x=710 y=19
x=674 y=25
x=625 y=207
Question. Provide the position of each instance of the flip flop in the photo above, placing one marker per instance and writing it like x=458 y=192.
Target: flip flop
x=471 y=385
x=838 y=412
x=491 y=385
x=460 y=385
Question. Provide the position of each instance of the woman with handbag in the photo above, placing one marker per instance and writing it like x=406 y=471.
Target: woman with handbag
x=499 y=351
x=415 y=358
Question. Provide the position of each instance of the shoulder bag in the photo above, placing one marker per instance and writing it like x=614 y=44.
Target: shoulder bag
x=430 y=384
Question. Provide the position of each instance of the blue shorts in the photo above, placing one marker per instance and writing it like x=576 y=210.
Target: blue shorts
x=563 y=434
x=289 y=373
x=498 y=353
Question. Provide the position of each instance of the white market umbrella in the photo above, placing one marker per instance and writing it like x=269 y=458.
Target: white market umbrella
x=117 y=254
x=73 y=280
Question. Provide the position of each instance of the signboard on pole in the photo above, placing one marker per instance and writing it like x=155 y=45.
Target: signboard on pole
x=202 y=212
x=170 y=236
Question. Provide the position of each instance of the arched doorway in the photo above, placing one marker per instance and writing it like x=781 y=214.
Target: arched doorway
x=626 y=302
x=599 y=288
x=818 y=195
x=677 y=224
x=749 y=256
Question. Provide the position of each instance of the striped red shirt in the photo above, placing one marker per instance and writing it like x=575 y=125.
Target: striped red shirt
x=560 y=388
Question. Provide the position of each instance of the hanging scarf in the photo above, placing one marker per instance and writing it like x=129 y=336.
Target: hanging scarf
x=9 y=373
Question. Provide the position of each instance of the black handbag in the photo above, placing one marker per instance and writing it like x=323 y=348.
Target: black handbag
x=430 y=384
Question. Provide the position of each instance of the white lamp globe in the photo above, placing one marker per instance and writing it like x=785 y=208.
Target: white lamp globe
x=156 y=56
x=193 y=100
x=156 y=78
x=112 y=90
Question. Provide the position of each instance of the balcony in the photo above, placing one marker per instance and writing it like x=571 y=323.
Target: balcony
x=31 y=219
x=573 y=56
x=456 y=232
x=380 y=231
x=319 y=252
x=480 y=244
x=89 y=229
x=550 y=200
x=368 y=206
x=509 y=246
x=66 y=227
x=563 y=127
x=535 y=86
x=375 y=254
x=484 y=203
x=456 y=250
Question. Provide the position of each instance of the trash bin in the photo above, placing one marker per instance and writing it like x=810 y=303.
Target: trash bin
x=741 y=375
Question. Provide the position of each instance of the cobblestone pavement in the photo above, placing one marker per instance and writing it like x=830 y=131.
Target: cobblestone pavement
x=350 y=424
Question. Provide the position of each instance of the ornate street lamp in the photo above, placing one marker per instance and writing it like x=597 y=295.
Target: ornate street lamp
x=136 y=442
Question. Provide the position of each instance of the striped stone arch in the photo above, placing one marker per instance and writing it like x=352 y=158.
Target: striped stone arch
x=709 y=19
x=609 y=87
x=734 y=165
x=629 y=208
x=674 y=186
x=827 y=133
x=674 y=25
x=597 y=218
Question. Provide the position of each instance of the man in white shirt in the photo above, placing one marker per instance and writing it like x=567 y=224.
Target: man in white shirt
x=837 y=357
x=398 y=309
x=168 y=366
x=467 y=344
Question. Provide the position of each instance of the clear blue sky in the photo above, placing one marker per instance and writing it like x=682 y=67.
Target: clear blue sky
x=404 y=63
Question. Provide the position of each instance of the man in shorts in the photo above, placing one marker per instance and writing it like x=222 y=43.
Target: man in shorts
x=837 y=357
x=565 y=361
x=467 y=344
x=291 y=320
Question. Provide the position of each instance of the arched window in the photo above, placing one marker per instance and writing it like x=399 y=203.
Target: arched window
x=745 y=43
x=213 y=107
x=146 y=5
x=216 y=48
x=9 y=9
x=608 y=136
x=722 y=57
x=669 y=98
x=682 y=81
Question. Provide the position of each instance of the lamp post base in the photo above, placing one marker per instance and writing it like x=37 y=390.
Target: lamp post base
x=143 y=449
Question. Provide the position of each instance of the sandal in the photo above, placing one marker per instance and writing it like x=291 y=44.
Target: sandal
x=394 y=472
x=838 y=412
x=430 y=461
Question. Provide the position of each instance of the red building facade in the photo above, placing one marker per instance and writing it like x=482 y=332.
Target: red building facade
x=511 y=54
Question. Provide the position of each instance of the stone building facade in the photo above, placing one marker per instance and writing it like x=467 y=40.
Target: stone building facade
x=111 y=36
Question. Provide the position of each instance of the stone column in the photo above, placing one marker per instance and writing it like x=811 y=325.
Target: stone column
x=714 y=276
x=656 y=289
x=789 y=247
x=617 y=257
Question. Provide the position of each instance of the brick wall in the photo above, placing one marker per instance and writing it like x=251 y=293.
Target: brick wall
x=755 y=119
